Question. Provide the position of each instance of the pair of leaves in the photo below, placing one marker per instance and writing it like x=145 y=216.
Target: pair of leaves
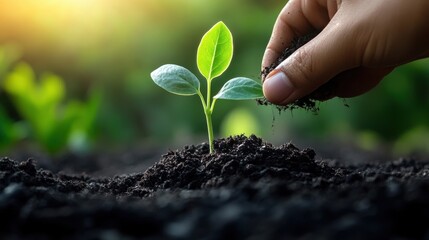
x=213 y=58
x=181 y=81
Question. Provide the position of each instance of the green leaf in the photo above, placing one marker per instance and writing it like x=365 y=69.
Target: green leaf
x=176 y=79
x=51 y=90
x=215 y=51
x=20 y=81
x=240 y=88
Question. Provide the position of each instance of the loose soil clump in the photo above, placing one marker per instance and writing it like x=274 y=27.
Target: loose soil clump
x=247 y=189
x=308 y=102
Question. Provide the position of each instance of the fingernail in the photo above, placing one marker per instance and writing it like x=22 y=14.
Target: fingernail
x=277 y=87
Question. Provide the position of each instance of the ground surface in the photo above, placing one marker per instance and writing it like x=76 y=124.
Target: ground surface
x=247 y=190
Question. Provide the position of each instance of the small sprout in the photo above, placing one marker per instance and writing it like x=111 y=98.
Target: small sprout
x=213 y=58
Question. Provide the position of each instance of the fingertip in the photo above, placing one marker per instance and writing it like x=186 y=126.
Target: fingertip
x=277 y=87
x=269 y=58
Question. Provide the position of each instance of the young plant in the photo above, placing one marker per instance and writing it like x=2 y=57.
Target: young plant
x=50 y=120
x=213 y=58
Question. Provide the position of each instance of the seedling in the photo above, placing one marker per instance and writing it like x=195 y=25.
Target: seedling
x=213 y=58
x=51 y=121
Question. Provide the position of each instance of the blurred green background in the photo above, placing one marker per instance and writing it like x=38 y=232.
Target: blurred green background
x=74 y=76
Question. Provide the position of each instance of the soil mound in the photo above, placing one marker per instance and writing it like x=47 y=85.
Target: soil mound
x=248 y=189
x=236 y=159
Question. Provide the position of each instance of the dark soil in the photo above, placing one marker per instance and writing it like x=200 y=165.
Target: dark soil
x=308 y=102
x=249 y=189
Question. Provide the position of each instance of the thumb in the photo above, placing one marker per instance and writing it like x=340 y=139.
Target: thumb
x=328 y=54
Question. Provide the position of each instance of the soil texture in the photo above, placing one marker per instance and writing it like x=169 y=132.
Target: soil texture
x=248 y=189
x=308 y=102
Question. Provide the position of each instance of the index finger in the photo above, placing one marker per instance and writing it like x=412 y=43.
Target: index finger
x=297 y=18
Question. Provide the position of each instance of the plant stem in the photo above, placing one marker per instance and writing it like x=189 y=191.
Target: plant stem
x=208 y=114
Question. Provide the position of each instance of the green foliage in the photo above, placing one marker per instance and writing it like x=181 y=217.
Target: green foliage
x=240 y=88
x=51 y=122
x=215 y=51
x=213 y=58
x=414 y=141
x=176 y=79
x=8 y=55
x=240 y=121
x=9 y=132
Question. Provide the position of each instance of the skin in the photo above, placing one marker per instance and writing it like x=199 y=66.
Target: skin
x=361 y=41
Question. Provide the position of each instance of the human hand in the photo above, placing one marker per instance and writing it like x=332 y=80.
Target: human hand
x=360 y=42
